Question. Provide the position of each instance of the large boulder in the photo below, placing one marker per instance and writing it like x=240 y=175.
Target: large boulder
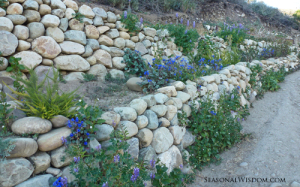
x=41 y=162
x=52 y=139
x=103 y=132
x=50 y=21
x=171 y=158
x=6 y=24
x=76 y=36
x=15 y=171
x=112 y=118
x=71 y=63
x=68 y=47
x=46 y=46
x=57 y=155
x=86 y=11
x=17 y=19
x=36 y=30
x=29 y=59
x=24 y=147
x=8 y=43
x=139 y=105
x=37 y=181
x=152 y=119
x=100 y=12
x=162 y=140
x=132 y=83
x=103 y=57
x=126 y=113
x=99 y=71
x=129 y=126
x=31 y=125
x=141 y=48
x=56 y=34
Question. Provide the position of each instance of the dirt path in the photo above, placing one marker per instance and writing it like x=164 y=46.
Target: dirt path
x=272 y=151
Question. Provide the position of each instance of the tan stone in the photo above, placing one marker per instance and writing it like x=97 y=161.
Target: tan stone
x=91 y=32
x=103 y=29
x=14 y=8
x=71 y=4
x=124 y=35
x=44 y=9
x=21 y=32
x=29 y=59
x=23 y=46
x=46 y=46
x=74 y=24
x=103 y=57
x=105 y=40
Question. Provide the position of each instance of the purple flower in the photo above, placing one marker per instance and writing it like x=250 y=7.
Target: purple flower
x=76 y=159
x=152 y=163
x=136 y=173
x=116 y=158
x=98 y=147
x=181 y=166
x=185 y=32
x=125 y=14
x=152 y=175
x=176 y=15
x=238 y=119
x=75 y=170
x=64 y=140
x=141 y=21
x=232 y=96
x=194 y=24
x=106 y=184
x=238 y=87
x=181 y=20
x=188 y=23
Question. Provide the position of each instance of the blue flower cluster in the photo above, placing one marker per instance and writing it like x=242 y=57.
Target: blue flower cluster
x=61 y=182
x=78 y=129
x=116 y=159
x=267 y=53
x=136 y=174
x=213 y=113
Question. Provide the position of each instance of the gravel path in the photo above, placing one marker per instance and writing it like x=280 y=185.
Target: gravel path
x=272 y=150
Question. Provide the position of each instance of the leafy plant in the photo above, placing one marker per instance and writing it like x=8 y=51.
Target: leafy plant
x=135 y=64
x=271 y=79
x=4 y=113
x=230 y=56
x=130 y=21
x=184 y=37
x=5 y=148
x=88 y=77
x=16 y=69
x=44 y=101
x=1 y=61
x=78 y=16
x=215 y=128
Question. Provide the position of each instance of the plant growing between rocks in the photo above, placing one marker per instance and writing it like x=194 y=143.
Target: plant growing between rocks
x=78 y=16
x=44 y=101
x=5 y=148
x=5 y=118
x=88 y=77
x=135 y=64
x=130 y=21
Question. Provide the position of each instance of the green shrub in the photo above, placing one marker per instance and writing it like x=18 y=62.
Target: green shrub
x=271 y=79
x=44 y=105
x=234 y=34
x=230 y=57
x=184 y=37
x=215 y=128
x=135 y=64
x=249 y=54
x=112 y=165
x=130 y=21
x=4 y=114
x=88 y=77
x=5 y=148
x=78 y=16
x=205 y=49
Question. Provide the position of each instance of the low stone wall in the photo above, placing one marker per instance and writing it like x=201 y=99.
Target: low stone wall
x=151 y=122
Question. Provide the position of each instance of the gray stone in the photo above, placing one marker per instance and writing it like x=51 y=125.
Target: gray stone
x=139 y=105
x=36 y=30
x=86 y=11
x=31 y=125
x=119 y=43
x=74 y=76
x=126 y=113
x=103 y=132
x=99 y=71
x=188 y=139
x=141 y=48
x=88 y=51
x=183 y=96
x=76 y=36
x=111 y=17
x=53 y=171
x=152 y=119
x=132 y=84
x=66 y=172
x=116 y=52
x=56 y=34
x=68 y=47
x=160 y=110
x=112 y=118
x=58 y=12
x=178 y=133
x=24 y=147
x=71 y=63
x=162 y=140
x=100 y=12
x=59 y=121
x=8 y=43
x=129 y=126
x=98 y=21
x=21 y=32
x=141 y=121
x=171 y=112
x=58 y=4
x=93 y=43
x=149 y=31
x=17 y=19
x=32 y=15
x=50 y=20
x=94 y=144
x=6 y=24
x=37 y=181
x=41 y=161
x=295 y=184
x=146 y=154
x=161 y=98
x=52 y=139
x=4 y=64
x=29 y=59
x=117 y=63
x=171 y=158
x=103 y=57
x=145 y=136
x=150 y=100
x=64 y=24
x=244 y=164
x=112 y=33
x=57 y=157
x=133 y=148
x=43 y=71
x=46 y=46
x=15 y=171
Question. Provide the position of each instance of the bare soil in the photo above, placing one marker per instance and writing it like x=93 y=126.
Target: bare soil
x=273 y=148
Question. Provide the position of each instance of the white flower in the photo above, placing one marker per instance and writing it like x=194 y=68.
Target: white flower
x=3 y=126
x=79 y=100
x=98 y=99
x=91 y=127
